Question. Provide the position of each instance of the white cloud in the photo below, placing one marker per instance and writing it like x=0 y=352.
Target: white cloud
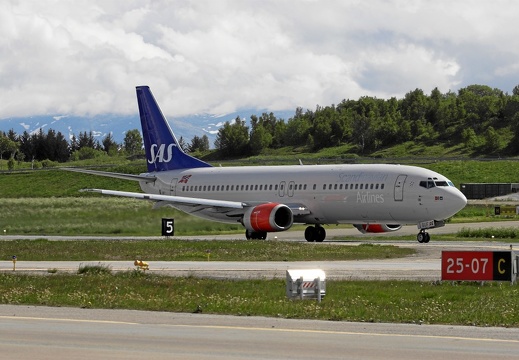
x=86 y=56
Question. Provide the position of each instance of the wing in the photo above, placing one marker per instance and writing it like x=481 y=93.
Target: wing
x=147 y=178
x=220 y=209
x=174 y=200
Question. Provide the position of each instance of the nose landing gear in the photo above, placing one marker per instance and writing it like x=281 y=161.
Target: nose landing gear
x=423 y=237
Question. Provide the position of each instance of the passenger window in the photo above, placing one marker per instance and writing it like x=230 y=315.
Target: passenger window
x=315 y=186
x=335 y=187
x=382 y=186
x=356 y=186
x=324 y=186
x=361 y=186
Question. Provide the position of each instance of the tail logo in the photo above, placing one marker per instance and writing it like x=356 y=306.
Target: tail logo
x=157 y=153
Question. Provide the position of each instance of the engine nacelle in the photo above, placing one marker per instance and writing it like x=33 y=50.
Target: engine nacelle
x=377 y=228
x=268 y=217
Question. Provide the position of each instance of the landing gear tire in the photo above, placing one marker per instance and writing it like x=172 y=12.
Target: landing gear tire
x=315 y=233
x=310 y=234
x=255 y=235
x=321 y=234
x=423 y=237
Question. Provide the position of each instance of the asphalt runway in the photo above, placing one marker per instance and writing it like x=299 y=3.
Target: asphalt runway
x=28 y=332
x=65 y=333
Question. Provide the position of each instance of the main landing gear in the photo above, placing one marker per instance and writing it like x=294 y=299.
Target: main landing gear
x=255 y=235
x=315 y=233
x=423 y=237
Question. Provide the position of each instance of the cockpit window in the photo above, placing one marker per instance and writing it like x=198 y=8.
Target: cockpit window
x=441 y=183
x=427 y=184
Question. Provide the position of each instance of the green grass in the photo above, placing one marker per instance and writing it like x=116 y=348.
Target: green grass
x=493 y=304
x=490 y=233
x=178 y=250
x=98 y=215
x=56 y=183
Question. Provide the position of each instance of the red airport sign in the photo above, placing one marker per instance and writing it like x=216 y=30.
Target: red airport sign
x=477 y=265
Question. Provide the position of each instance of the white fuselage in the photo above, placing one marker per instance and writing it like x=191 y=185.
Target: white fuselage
x=326 y=194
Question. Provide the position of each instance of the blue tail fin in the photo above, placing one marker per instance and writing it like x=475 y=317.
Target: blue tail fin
x=162 y=149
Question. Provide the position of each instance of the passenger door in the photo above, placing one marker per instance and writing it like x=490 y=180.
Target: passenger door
x=399 y=187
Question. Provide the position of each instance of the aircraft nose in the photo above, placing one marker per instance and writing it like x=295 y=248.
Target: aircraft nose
x=461 y=200
x=457 y=201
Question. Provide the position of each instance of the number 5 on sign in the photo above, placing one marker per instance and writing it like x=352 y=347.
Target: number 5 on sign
x=168 y=227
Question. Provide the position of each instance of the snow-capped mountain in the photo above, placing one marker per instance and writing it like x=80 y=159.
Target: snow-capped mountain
x=101 y=125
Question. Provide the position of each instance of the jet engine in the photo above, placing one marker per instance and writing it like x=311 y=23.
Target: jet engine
x=377 y=228
x=268 y=217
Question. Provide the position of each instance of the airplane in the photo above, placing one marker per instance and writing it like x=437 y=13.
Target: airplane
x=374 y=198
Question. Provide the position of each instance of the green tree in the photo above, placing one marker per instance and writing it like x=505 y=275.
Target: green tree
x=110 y=146
x=7 y=146
x=87 y=140
x=133 y=142
x=492 y=140
x=233 y=139
x=363 y=133
x=323 y=135
x=298 y=128
x=470 y=139
x=182 y=144
x=199 y=144
x=260 y=139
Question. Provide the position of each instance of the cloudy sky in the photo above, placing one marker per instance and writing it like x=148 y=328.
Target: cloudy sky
x=85 y=57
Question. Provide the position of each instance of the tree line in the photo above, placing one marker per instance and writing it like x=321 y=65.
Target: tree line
x=479 y=119
x=55 y=147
